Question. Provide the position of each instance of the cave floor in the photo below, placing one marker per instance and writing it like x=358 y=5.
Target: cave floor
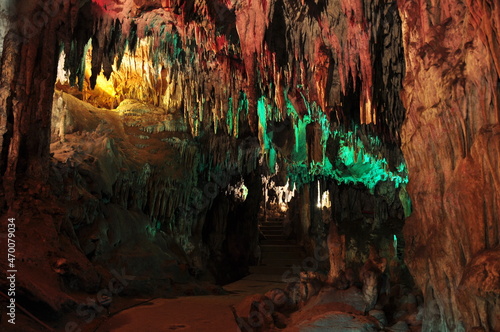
x=209 y=312
x=192 y=313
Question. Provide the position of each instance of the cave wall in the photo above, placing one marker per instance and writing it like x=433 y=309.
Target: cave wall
x=31 y=35
x=28 y=85
x=4 y=25
x=108 y=165
x=451 y=141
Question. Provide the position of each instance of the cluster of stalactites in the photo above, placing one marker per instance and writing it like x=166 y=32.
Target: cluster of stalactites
x=229 y=68
x=214 y=60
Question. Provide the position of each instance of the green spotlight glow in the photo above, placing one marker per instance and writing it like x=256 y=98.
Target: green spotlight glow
x=355 y=163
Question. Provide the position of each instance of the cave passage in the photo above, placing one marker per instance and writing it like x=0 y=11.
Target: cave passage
x=250 y=165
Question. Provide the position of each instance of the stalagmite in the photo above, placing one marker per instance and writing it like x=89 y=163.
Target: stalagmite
x=336 y=248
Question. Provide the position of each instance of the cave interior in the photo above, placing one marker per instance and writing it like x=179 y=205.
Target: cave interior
x=260 y=165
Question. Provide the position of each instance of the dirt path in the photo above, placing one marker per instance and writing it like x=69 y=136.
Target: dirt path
x=195 y=313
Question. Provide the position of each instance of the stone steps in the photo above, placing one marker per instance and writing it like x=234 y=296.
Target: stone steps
x=275 y=237
x=286 y=247
x=275 y=242
x=271 y=232
x=278 y=254
x=274 y=270
x=282 y=260
x=283 y=255
x=272 y=224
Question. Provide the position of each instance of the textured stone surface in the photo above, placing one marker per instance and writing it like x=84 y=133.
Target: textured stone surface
x=205 y=68
x=450 y=142
x=227 y=77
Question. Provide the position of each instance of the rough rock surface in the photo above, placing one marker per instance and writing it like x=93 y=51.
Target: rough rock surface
x=311 y=86
x=451 y=141
x=219 y=71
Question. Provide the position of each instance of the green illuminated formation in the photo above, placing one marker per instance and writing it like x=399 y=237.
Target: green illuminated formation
x=356 y=158
x=356 y=162
x=352 y=165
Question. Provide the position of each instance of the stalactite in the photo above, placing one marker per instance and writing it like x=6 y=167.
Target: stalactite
x=187 y=52
x=218 y=82
x=205 y=79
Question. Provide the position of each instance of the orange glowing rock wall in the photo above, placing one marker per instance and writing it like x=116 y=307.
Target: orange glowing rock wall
x=451 y=142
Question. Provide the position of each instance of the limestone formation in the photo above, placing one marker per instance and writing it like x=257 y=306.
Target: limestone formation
x=155 y=136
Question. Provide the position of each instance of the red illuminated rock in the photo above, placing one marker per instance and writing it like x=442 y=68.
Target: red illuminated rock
x=199 y=69
x=451 y=144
